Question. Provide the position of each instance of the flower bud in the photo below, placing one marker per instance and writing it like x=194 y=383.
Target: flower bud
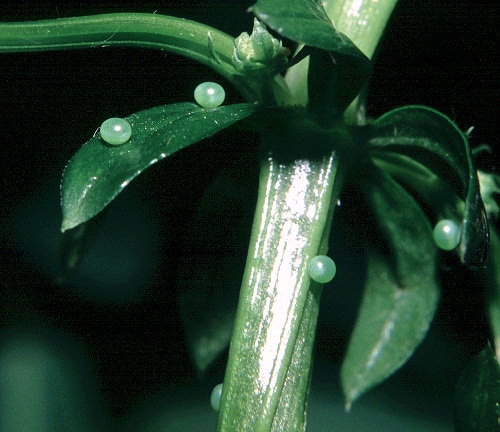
x=259 y=51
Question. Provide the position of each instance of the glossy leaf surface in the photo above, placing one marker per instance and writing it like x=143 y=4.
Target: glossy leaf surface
x=336 y=62
x=401 y=292
x=477 y=397
x=97 y=173
x=434 y=140
x=305 y=21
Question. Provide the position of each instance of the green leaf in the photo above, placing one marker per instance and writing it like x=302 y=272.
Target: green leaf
x=434 y=140
x=211 y=267
x=419 y=179
x=337 y=70
x=305 y=21
x=97 y=173
x=401 y=293
x=490 y=190
x=477 y=397
x=493 y=284
x=79 y=240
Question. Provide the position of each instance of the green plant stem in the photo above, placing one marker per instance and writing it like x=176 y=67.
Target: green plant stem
x=180 y=36
x=268 y=372
x=363 y=21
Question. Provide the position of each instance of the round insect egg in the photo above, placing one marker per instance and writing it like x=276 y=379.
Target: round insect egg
x=209 y=95
x=446 y=234
x=115 y=131
x=215 y=397
x=322 y=269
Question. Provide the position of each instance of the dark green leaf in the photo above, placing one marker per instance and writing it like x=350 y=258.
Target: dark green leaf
x=477 y=398
x=97 y=173
x=210 y=271
x=435 y=141
x=78 y=241
x=490 y=193
x=493 y=284
x=420 y=180
x=305 y=21
x=338 y=69
x=401 y=292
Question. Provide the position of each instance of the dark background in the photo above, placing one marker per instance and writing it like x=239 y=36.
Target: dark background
x=119 y=311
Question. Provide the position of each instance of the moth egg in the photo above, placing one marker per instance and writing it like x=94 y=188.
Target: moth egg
x=116 y=131
x=215 y=397
x=446 y=234
x=209 y=95
x=322 y=269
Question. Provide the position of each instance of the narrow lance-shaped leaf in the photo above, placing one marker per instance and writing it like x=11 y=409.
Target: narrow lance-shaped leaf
x=305 y=21
x=490 y=190
x=493 y=283
x=335 y=59
x=98 y=172
x=78 y=241
x=419 y=179
x=435 y=141
x=210 y=271
x=401 y=292
x=477 y=397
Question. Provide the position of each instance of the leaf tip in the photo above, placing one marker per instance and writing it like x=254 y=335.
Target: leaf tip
x=348 y=406
x=67 y=224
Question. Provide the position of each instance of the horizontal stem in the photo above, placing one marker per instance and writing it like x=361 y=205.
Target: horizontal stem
x=188 y=38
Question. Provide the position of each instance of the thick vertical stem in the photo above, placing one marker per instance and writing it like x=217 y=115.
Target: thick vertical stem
x=270 y=355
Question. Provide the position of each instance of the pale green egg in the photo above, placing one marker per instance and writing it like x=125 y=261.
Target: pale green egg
x=446 y=234
x=215 y=397
x=322 y=269
x=116 y=131
x=209 y=95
